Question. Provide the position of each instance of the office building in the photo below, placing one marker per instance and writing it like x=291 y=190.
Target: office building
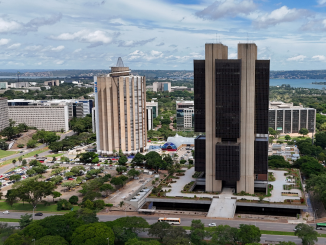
x=185 y=115
x=4 y=119
x=152 y=112
x=120 y=111
x=3 y=85
x=287 y=118
x=50 y=117
x=162 y=86
x=231 y=107
x=52 y=83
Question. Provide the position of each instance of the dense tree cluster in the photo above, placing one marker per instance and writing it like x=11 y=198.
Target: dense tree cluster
x=70 y=141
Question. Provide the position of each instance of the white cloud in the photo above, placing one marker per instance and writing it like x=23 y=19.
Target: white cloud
x=135 y=43
x=96 y=38
x=59 y=62
x=319 y=57
x=15 y=45
x=321 y=2
x=283 y=14
x=9 y=25
x=227 y=8
x=77 y=50
x=139 y=55
x=59 y=48
x=33 y=47
x=233 y=56
x=4 y=41
x=297 y=58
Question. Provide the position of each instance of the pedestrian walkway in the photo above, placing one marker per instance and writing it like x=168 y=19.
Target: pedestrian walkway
x=222 y=208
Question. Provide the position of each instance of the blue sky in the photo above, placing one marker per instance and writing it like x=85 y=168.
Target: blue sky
x=158 y=34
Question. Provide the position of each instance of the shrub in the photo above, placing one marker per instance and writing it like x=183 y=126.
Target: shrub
x=20 y=145
x=99 y=204
x=63 y=204
x=73 y=199
x=109 y=205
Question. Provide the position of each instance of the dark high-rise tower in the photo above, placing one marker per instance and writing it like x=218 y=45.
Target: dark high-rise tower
x=231 y=107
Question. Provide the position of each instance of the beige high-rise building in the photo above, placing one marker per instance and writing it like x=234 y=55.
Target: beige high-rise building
x=120 y=111
x=4 y=119
x=231 y=107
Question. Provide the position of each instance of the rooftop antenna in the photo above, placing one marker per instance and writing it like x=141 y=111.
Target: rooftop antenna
x=119 y=62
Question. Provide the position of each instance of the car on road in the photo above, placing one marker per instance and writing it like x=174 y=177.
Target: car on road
x=6 y=212
x=212 y=225
x=39 y=214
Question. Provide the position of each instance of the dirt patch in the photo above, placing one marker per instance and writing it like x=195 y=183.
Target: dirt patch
x=23 y=139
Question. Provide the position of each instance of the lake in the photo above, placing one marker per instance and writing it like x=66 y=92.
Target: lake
x=298 y=83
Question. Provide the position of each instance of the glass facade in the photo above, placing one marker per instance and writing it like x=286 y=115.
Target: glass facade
x=287 y=122
x=199 y=95
x=311 y=120
x=303 y=119
x=227 y=162
x=279 y=122
x=200 y=153
x=228 y=86
x=271 y=119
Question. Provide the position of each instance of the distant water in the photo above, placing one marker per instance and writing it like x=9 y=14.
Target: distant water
x=5 y=77
x=298 y=83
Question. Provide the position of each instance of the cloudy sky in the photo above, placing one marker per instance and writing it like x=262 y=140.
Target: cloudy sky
x=158 y=34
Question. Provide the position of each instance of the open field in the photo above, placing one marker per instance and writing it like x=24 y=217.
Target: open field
x=7 y=153
x=26 y=155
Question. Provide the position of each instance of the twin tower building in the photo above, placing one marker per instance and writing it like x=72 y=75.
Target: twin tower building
x=231 y=109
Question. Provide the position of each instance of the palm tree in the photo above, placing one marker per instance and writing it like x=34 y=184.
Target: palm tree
x=121 y=204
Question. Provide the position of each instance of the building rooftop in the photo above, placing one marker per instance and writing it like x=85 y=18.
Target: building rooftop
x=282 y=105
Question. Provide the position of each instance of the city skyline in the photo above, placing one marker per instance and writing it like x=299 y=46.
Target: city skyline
x=68 y=34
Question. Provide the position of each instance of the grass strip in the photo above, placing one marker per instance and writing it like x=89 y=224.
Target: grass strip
x=7 y=153
x=8 y=220
x=29 y=208
x=55 y=155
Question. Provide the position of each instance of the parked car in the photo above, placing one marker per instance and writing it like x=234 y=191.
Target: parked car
x=39 y=214
x=212 y=225
x=6 y=212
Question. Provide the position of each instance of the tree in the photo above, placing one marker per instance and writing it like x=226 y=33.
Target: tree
x=76 y=170
x=121 y=169
x=87 y=215
x=25 y=220
x=287 y=137
x=117 y=181
x=121 y=204
x=18 y=239
x=133 y=172
x=89 y=157
x=24 y=162
x=69 y=184
x=63 y=204
x=15 y=177
x=73 y=199
x=6 y=230
x=30 y=172
x=3 y=145
x=248 y=234
x=176 y=235
x=14 y=161
x=317 y=185
x=56 y=194
x=159 y=230
x=321 y=139
x=69 y=174
x=138 y=159
x=50 y=240
x=273 y=132
x=303 y=131
x=123 y=160
x=34 y=190
x=20 y=159
x=224 y=234
x=56 y=180
x=135 y=241
x=306 y=233
x=106 y=188
x=91 y=189
x=95 y=233
x=31 y=143
x=197 y=232
x=9 y=132
x=11 y=197
x=310 y=168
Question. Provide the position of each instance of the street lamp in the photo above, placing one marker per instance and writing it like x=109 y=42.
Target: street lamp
x=33 y=240
x=315 y=214
x=108 y=240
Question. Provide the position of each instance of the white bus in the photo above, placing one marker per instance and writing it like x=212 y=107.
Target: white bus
x=171 y=221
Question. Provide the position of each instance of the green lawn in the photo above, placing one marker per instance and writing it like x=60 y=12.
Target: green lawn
x=55 y=155
x=7 y=153
x=8 y=220
x=26 y=155
x=29 y=207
